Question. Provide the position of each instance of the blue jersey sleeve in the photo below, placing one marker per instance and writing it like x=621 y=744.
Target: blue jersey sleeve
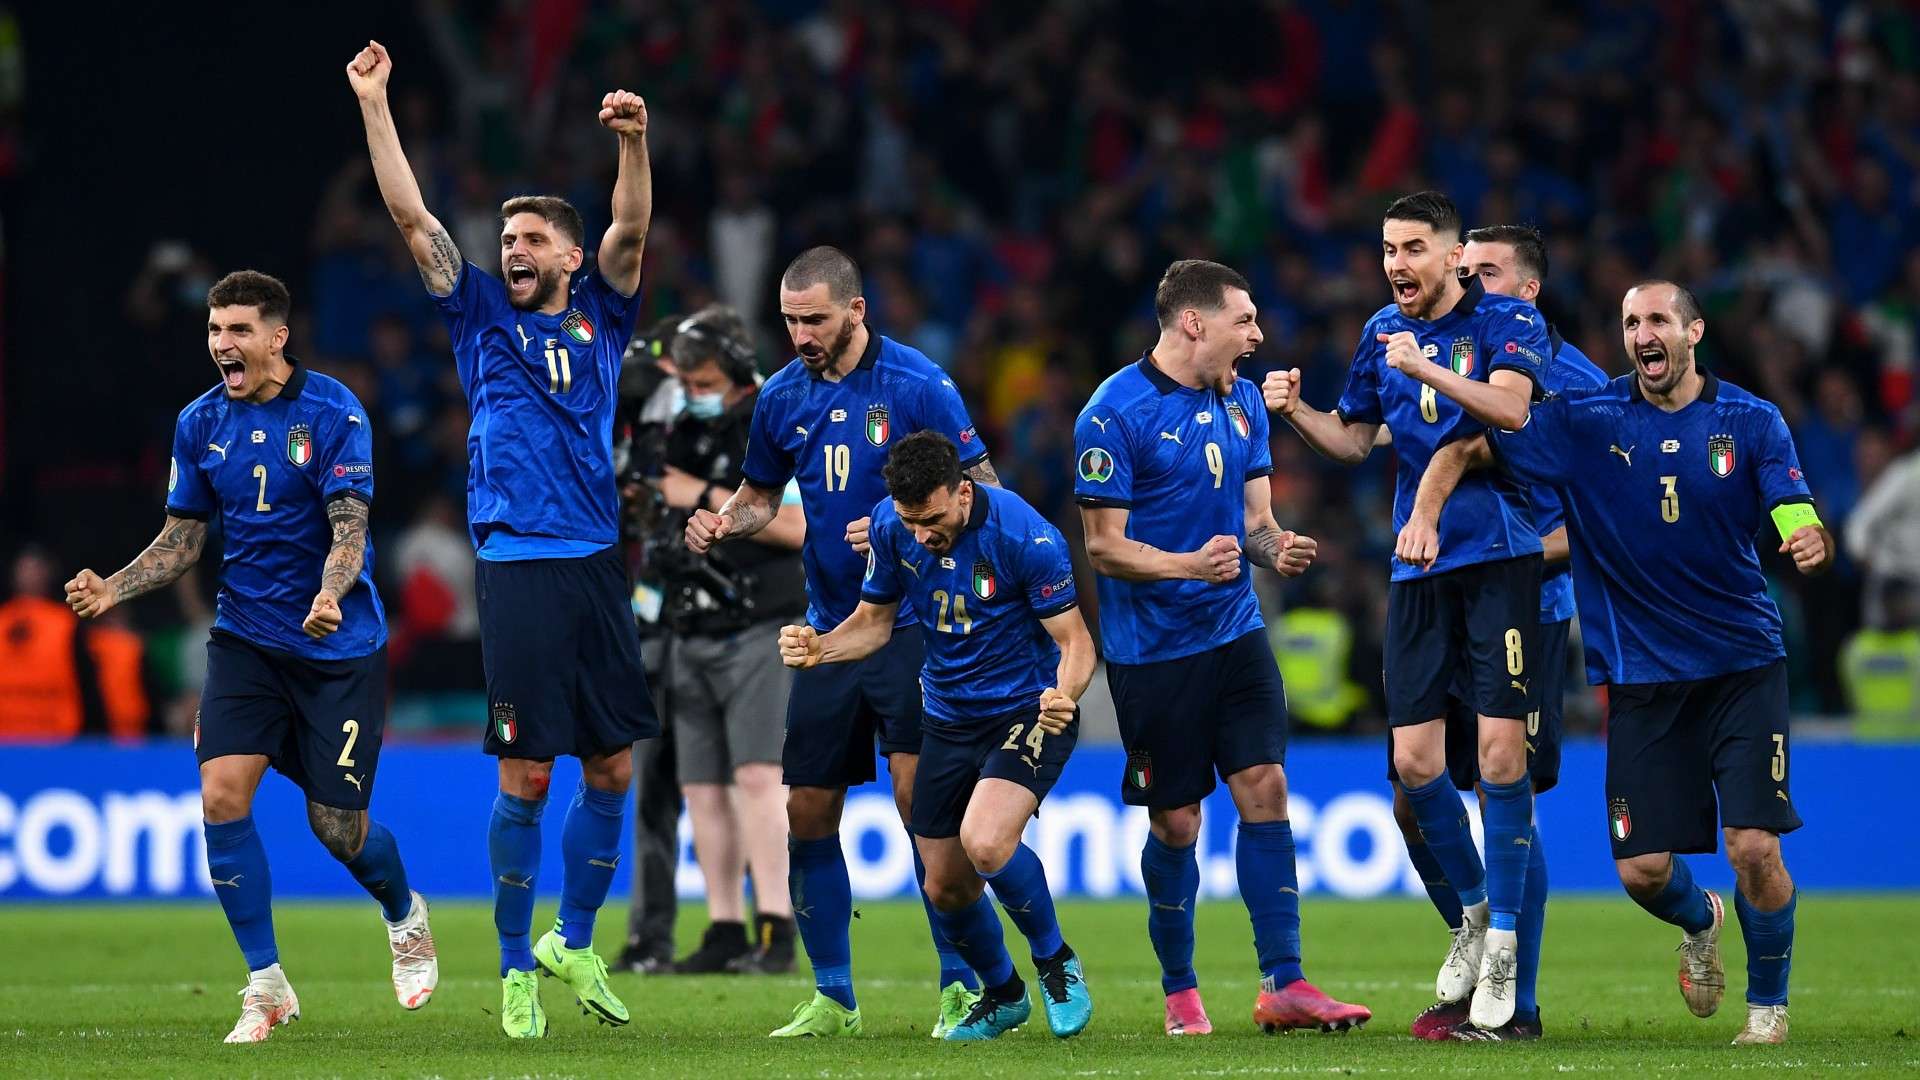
x=470 y=300
x=1537 y=453
x=618 y=310
x=1259 y=433
x=1777 y=469
x=1360 y=401
x=1104 y=459
x=942 y=410
x=766 y=466
x=1518 y=340
x=882 y=584
x=1046 y=571
x=345 y=457
x=189 y=495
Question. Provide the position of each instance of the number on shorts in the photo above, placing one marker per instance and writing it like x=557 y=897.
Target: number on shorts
x=1533 y=723
x=1429 y=405
x=1516 y=659
x=352 y=729
x=839 y=463
x=1670 y=499
x=1035 y=738
x=1013 y=736
x=1215 y=463
x=1779 y=758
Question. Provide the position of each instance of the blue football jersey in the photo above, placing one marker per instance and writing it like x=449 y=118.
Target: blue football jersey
x=1489 y=516
x=1178 y=460
x=1662 y=511
x=1567 y=369
x=269 y=471
x=541 y=388
x=833 y=438
x=981 y=605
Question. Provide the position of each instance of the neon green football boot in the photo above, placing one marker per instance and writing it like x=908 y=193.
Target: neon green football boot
x=520 y=1013
x=584 y=972
x=955 y=1002
x=819 y=1018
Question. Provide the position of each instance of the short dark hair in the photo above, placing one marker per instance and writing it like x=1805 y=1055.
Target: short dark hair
x=1194 y=283
x=1529 y=247
x=824 y=264
x=557 y=211
x=251 y=288
x=718 y=333
x=1430 y=207
x=1686 y=305
x=921 y=464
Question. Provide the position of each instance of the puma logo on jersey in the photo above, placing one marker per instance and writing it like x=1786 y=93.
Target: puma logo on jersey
x=1519 y=684
x=1043 y=539
x=1625 y=455
x=221 y=450
x=351 y=779
x=352 y=419
x=1781 y=795
x=1523 y=317
x=1101 y=424
x=910 y=566
x=1173 y=436
x=800 y=431
x=526 y=342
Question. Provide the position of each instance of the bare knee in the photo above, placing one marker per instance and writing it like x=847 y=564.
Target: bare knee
x=1643 y=876
x=1418 y=763
x=342 y=832
x=1260 y=793
x=1178 y=827
x=526 y=779
x=757 y=780
x=608 y=772
x=221 y=802
x=986 y=850
x=1762 y=875
x=814 y=813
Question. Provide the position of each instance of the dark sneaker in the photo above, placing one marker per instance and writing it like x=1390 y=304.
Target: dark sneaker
x=773 y=948
x=1518 y=1029
x=723 y=942
x=644 y=961
x=1438 y=1022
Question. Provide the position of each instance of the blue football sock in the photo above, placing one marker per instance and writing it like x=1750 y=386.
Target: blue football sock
x=823 y=908
x=1172 y=878
x=378 y=870
x=1021 y=887
x=953 y=969
x=1439 y=890
x=1508 y=821
x=1533 y=928
x=237 y=863
x=1681 y=903
x=589 y=850
x=974 y=932
x=1769 y=937
x=1443 y=824
x=513 y=851
x=1271 y=891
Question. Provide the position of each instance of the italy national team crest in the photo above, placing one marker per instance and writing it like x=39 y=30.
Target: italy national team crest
x=984 y=585
x=300 y=444
x=1238 y=418
x=1096 y=465
x=1140 y=770
x=1720 y=455
x=1619 y=821
x=506 y=722
x=877 y=426
x=578 y=328
x=1461 y=359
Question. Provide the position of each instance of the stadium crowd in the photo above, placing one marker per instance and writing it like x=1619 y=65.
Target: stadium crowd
x=1013 y=182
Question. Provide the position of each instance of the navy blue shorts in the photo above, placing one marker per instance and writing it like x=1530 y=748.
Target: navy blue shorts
x=1672 y=747
x=1543 y=723
x=1009 y=747
x=1182 y=721
x=564 y=674
x=836 y=713
x=318 y=721
x=1481 y=619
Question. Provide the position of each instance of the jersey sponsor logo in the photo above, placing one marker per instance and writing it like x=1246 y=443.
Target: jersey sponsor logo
x=506 y=722
x=1670 y=446
x=1625 y=455
x=356 y=468
x=259 y=436
x=967 y=435
x=1048 y=591
x=877 y=426
x=1140 y=770
x=984 y=585
x=1203 y=417
x=1794 y=473
x=870 y=564
x=837 y=416
x=1096 y=465
x=1461 y=359
x=947 y=563
x=1429 y=350
x=1720 y=455
x=299 y=444
x=173 y=474
x=1238 y=418
x=578 y=327
x=1620 y=822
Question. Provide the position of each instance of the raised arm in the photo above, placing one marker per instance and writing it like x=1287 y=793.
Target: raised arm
x=1281 y=550
x=1419 y=541
x=1117 y=555
x=862 y=634
x=625 y=114
x=348 y=517
x=433 y=249
x=982 y=472
x=1345 y=441
x=176 y=548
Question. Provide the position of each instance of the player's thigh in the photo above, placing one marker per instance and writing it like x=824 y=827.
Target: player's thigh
x=1250 y=702
x=1502 y=611
x=612 y=707
x=1659 y=773
x=951 y=881
x=244 y=709
x=943 y=781
x=699 y=724
x=890 y=686
x=996 y=815
x=829 y=733
x=342 y=706
x=754 y=696
x=528 y=643
x=1544 y=722
x=1166 y=712
x=1424 y=647
x=1746 y=713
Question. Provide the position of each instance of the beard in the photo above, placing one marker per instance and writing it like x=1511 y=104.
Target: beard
x=828 y=357
x=1677 y=367
x=544 y=288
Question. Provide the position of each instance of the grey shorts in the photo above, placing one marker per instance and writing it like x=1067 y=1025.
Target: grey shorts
x=729 y=702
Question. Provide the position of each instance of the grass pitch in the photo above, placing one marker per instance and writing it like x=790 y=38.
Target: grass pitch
x=150 y=990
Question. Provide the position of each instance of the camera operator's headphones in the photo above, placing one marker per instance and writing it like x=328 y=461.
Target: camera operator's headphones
x=735 y=357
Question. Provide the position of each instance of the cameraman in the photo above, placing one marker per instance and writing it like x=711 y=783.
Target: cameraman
x=729 y=690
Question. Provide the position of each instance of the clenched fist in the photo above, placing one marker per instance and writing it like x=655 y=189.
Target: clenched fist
x=1218 y=560
x=1403 y=352
x=1282 y=391
x=799 y=646
x=88 y=595
x=368 y=71
x=624 y=113
x=1811 y=548
x=1056 y=710
x=1419 y=543
x=1297 y=551
x=323 y=617
x=705 y=529
x=857 y=530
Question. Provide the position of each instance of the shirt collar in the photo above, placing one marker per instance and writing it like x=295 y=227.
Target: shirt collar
x=868 y=356
x=978 y=515
x=1470 y=299
x=1709 y=389
x=1161 y=380
x=296 y=383
x=1554 y=341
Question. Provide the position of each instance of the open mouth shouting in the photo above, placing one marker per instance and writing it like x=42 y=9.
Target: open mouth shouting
x=521 y=276
x=233 y=372
x=1654 y=362
x=1406 y=289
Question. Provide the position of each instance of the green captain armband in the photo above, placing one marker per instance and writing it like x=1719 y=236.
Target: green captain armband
x=1790 y=518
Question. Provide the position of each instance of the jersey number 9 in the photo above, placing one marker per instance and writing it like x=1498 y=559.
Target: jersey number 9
x=1215 y=463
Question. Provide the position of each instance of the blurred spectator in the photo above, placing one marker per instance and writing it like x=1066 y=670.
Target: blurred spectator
x=434 y=619
x=58 y=681
x=1883 y=535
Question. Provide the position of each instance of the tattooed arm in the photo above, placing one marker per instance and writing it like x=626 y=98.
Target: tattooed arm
x=1281 y=550
x=433 y=249
x=348 y=516
x=747 y=512
x=176 y=548
x=982 y=472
